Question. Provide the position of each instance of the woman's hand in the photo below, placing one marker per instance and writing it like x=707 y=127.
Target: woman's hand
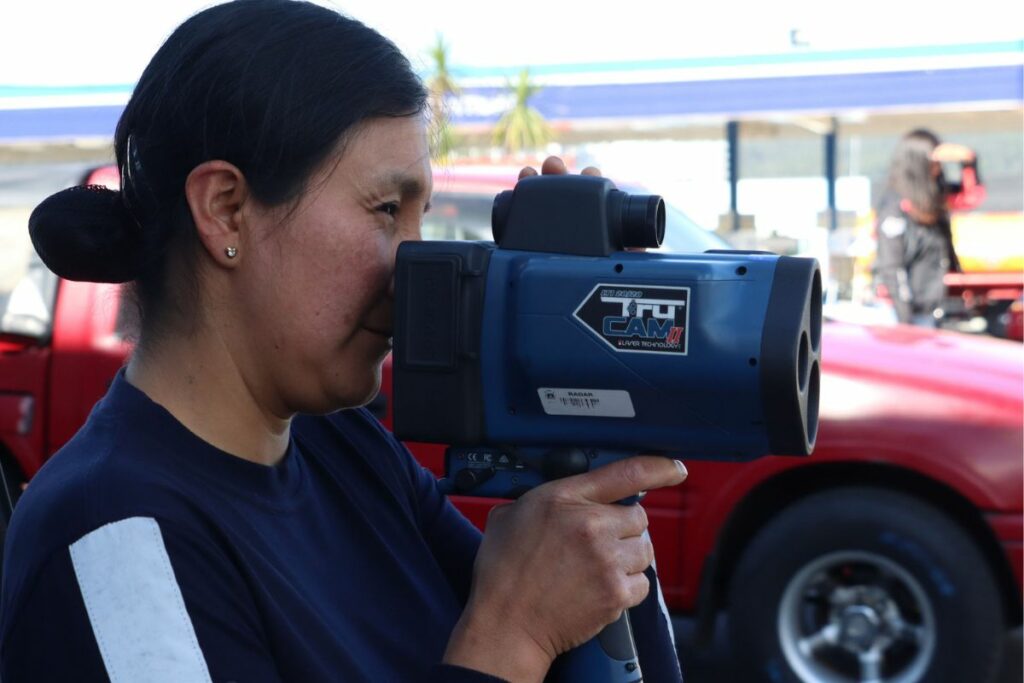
x=557 y=566
x=555 y=166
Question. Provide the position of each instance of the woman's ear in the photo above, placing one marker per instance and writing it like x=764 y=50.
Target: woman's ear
x=216 y=191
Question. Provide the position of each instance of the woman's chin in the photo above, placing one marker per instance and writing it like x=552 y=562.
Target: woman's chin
x=338 y=394
x=357 y=392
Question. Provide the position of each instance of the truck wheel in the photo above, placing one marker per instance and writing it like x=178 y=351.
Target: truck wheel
x=996 y=319
x=864 y=585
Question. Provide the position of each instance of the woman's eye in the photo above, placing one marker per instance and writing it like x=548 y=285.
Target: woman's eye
x=390 y=208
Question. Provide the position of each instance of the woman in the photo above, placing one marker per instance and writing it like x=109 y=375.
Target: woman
x=915 y=243
x=204 y=525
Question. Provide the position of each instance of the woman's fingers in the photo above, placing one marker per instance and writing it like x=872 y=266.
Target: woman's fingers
x=636 y=554
x=555 y=166
x=527 y=172
x=638 y=587
x=585 y=554
x=624 y=478
x=625 y=521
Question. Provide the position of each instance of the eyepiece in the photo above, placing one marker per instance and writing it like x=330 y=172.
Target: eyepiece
x=643 y=221
x=499 y=214
x=576 y=214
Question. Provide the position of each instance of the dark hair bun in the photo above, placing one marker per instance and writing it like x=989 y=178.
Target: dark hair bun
x=86 y=233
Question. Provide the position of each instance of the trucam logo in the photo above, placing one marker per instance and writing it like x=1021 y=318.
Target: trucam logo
x=653 y=318
x=638 y=319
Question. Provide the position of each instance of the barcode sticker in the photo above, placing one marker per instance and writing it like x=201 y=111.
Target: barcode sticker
x=586 y=402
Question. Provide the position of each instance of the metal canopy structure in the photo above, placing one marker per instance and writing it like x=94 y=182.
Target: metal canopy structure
x=649 y=93
x=816 y=94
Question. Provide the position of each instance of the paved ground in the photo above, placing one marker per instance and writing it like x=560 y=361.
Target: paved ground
x=712 y=665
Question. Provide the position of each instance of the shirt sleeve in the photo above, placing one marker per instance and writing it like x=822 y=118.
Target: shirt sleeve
x=890 y=261
x=135 y=600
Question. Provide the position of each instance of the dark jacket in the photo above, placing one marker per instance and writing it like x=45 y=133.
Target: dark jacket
x=912 y=259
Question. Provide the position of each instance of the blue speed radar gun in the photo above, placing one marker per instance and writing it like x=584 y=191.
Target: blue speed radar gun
x=562 y=346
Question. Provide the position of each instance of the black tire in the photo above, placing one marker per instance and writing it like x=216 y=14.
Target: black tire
x=863 y=567
x=995 y=322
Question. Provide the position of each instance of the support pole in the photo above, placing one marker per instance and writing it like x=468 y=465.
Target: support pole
x=732 y=134
x=830 y=172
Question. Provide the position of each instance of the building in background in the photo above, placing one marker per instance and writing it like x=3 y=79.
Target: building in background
x=785 y=150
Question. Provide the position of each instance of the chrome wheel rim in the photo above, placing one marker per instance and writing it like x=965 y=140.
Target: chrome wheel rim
x=856 y=617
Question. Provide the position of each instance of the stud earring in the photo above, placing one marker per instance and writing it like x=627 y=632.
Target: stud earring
x=231 y=252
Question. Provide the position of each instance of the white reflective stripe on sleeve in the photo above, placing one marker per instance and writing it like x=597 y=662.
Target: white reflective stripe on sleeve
x=135 y=606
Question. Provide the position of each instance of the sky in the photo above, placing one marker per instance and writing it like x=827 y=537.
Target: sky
x=106 y=42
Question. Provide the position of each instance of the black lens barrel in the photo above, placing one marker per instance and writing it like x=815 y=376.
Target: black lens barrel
x=576 y=214
x=643 y=221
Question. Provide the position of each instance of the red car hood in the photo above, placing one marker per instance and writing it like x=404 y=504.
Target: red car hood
x=974 y=368
x=945 y=404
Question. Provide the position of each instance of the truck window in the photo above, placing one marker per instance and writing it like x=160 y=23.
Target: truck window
x=27 y=309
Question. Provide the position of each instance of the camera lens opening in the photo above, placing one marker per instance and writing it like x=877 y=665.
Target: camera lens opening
x=643 y=221
x=813 y=396
x=815 y=321
x=803 y=361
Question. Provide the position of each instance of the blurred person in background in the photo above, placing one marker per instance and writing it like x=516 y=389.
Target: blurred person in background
x=914 y=236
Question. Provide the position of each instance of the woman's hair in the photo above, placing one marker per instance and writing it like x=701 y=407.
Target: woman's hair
x=271 y=86
x=910 y=175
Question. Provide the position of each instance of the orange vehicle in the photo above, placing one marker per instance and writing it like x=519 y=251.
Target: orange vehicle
x=991 y=251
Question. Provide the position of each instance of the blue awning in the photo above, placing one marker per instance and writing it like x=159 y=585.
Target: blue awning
x=59 y=123
x=834 y=94
x=831 y=94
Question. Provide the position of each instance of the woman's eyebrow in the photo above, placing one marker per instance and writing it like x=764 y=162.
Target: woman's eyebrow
x=405 y=183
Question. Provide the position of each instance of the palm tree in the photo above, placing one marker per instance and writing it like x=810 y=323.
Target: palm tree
x=522 y=126
x=441 y=86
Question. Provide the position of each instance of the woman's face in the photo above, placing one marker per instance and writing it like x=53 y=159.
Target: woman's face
x=316 y=292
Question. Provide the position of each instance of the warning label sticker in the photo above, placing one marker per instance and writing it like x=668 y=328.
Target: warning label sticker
x=586 y=402
x=638 y=318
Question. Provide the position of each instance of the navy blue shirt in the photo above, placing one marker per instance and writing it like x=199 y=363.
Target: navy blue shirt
x=142 y=553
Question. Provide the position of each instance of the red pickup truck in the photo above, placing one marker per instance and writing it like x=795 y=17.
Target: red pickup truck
x=892 y=551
